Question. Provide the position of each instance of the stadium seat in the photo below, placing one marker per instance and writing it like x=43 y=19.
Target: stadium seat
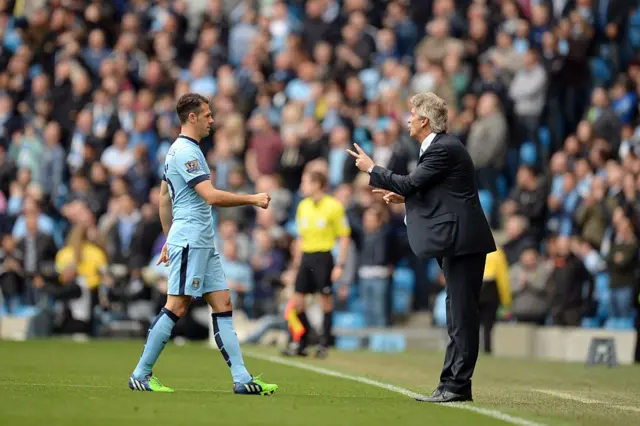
x=512 y=164
x=401 y=302
x=433 y=269
x=440 y=309
x=601 y=71
x=486 y=201
x=602 y=294
x=404 y=279
x=626 y=323
x=355 y=305
x=501 y=186
x=387 y=342
x=590 y=323
x=614 y=324
x=348 y=321
x=544 y=137
x=348 y=343
x=528 y=153
x=634 y=30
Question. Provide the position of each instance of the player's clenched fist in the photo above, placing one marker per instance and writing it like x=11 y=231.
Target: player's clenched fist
x=261 y=200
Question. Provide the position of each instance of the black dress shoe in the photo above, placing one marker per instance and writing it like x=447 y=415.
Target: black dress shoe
x=436 y=393
x=444 y=396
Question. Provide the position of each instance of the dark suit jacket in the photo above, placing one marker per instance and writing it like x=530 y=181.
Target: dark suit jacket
x=45 y=255
x=444 y=215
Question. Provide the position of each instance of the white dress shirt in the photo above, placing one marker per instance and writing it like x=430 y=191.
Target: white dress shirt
x=427 y=142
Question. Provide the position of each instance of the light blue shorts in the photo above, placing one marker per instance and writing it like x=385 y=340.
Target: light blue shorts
x=194 y=271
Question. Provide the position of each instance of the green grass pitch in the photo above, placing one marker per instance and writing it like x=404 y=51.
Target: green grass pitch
x=59 y=382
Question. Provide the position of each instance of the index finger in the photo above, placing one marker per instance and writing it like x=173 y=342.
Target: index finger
x=360 y=151
x=353 y=154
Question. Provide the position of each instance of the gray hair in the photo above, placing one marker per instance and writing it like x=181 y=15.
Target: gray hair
x=429 y=105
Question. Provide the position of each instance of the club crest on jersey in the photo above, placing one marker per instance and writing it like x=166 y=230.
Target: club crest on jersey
x=192 y=166
x=196 y=283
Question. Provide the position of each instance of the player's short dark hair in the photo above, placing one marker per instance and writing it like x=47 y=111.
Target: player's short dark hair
x=318 y=177
x=188 y=103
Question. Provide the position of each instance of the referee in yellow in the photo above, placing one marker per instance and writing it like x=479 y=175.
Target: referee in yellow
x=321 y=222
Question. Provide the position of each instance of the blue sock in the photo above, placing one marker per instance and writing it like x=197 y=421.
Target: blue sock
x=158 y=336
x=227 y=341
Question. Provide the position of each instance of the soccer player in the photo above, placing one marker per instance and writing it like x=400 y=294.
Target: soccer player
x=186 y=197
x=321 y=221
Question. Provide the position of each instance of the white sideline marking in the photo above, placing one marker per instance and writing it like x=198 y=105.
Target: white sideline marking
x=325 y=371
x=570 y=397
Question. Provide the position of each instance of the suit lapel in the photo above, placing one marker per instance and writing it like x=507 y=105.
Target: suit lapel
x=438 y=136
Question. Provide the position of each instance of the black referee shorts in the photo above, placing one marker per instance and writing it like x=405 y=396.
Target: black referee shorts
x=314 y=275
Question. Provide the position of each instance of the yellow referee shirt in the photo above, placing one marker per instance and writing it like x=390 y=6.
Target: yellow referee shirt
x=497 y=269
x=321 y=224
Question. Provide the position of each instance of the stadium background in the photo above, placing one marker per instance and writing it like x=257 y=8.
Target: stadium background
x=543 y=93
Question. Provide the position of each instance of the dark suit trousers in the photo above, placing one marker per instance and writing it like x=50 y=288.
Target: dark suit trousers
x=463 y=275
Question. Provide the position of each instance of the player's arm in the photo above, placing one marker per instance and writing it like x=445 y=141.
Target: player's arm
x=218 y=198
x=189 y=167
x=166 y=214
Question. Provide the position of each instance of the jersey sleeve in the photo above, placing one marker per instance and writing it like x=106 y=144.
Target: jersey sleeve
x=340 y=222
x=189 y=166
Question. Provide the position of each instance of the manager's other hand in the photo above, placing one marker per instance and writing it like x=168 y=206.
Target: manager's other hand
x=389 y=197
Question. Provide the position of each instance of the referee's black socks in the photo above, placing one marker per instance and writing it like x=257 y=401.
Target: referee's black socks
x=304 y=340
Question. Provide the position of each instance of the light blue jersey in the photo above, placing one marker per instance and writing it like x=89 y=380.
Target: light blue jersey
x=185 y=166
x=194 y=264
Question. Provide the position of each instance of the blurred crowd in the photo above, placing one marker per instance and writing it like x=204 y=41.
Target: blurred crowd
x=544 y=93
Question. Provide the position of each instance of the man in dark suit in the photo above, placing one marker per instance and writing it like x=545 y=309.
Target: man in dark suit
x=444 y=220
x=37 y=252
